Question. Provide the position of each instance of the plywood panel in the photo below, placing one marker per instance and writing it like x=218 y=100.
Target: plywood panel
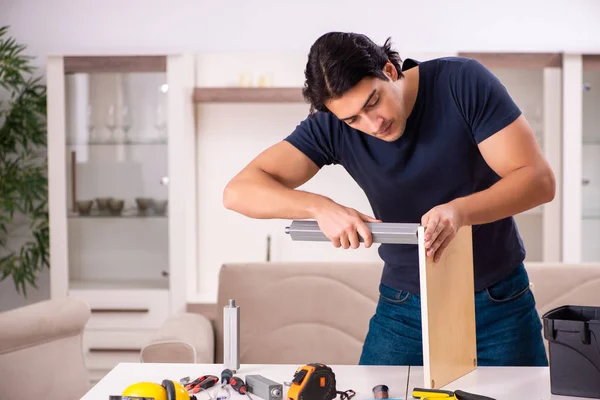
x=448 y=311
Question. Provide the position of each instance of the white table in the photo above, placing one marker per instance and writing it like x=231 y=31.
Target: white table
x=531 y=383
x=527 y=383
x=359 y=379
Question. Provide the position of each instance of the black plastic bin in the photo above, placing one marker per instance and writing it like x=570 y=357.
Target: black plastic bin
x=573 y=333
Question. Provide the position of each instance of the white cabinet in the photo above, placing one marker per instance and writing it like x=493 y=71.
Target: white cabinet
x=121 y=194
x=581 y=149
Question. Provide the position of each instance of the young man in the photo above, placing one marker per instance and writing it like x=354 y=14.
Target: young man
x=439 y=142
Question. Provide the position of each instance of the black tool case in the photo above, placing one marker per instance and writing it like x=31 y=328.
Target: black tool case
x=573 y=334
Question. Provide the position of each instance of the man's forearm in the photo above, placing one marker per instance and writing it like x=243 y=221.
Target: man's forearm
x=262 y=197
x=521 y=190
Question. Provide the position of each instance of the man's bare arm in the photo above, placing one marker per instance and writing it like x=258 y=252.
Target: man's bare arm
x=527 y=179
x=265 y=188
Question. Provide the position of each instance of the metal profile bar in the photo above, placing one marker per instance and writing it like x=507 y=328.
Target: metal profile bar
x=382 y=232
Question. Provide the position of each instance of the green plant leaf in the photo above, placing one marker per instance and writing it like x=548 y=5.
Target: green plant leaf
x=23 y=165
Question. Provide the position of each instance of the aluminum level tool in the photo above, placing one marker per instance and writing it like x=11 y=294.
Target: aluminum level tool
x=382 y=232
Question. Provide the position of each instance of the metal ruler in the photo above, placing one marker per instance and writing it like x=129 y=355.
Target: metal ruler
x=382 y=232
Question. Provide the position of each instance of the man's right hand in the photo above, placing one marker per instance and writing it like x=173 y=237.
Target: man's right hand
x=342 y=225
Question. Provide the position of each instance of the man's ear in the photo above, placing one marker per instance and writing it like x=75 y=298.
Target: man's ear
x=390 y=71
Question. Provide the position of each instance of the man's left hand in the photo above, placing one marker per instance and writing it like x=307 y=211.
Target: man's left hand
x=441 y=224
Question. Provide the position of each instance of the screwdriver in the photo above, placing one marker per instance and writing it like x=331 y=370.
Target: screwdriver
x=223 y=392
x=239 y=386
x=226 y=376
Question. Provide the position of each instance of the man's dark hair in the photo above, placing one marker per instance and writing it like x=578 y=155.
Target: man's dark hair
x=337 y=61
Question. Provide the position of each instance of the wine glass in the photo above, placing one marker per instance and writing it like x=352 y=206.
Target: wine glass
x=111 y=121
x=126 y=123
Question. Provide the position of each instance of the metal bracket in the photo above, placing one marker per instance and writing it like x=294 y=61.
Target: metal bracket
x=382 y=232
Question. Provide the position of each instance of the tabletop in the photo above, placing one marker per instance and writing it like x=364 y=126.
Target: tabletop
x=499 y=383
x=361 y=379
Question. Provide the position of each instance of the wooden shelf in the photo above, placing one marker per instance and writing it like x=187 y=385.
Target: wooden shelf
x=248 y=95
x=123 y=284
x=127 y=213
x=111 y=142
x=91 y=64
x=515 y=60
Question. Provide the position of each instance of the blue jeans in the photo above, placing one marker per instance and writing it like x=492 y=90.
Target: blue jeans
x=508 y=327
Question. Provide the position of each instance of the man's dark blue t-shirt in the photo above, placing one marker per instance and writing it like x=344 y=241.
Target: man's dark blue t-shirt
x=458 y=105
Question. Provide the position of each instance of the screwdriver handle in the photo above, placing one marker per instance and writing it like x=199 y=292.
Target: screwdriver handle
x=238 y=385
x=226 y=376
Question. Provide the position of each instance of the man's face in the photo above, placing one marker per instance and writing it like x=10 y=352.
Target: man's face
x=373 y=106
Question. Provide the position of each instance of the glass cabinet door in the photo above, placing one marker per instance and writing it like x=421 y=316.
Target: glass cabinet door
x=590 y=154
x=116 y=155
x=534 y=82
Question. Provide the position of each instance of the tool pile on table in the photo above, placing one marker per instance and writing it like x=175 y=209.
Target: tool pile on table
x=256 y=384
x=314 y=381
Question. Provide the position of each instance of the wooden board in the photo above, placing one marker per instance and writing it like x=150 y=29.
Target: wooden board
x=248 y=95
x=448 y=311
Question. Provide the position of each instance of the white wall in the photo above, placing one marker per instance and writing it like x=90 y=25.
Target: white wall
x=152 y=26
x=271 y=25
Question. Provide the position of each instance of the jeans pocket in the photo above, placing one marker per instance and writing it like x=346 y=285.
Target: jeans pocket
x=514 y=286
x=393 y=296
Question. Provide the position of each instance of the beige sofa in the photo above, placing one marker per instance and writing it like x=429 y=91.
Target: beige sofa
x=41 y=355
x=302 y=312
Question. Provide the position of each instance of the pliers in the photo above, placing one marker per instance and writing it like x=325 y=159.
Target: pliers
x=427 y=394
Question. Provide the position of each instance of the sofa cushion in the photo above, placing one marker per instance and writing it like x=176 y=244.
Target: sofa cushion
x=558 y=284
x=299 y=312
